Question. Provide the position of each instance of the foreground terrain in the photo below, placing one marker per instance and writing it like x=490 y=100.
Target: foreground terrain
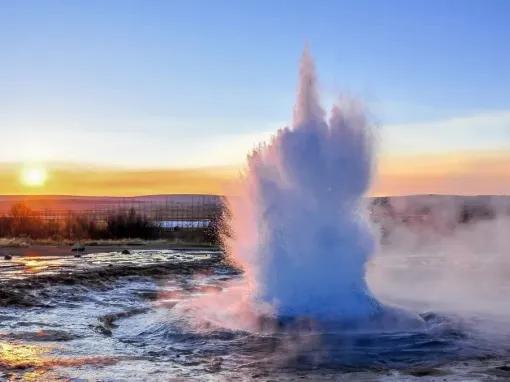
x=108 y=316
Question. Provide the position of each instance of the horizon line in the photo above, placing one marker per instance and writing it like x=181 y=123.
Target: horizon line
x=223 y=195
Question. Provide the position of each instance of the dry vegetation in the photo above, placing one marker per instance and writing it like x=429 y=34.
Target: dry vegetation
x=23 y=227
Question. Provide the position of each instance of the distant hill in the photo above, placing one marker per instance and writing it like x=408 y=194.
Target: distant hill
x=437 y=213
x=82 y=203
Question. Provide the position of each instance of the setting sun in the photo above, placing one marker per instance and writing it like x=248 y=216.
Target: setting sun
x=34 y=176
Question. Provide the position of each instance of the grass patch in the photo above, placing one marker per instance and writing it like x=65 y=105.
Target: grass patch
x=15 y=242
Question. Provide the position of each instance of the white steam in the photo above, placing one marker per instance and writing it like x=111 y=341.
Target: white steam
x=298 y=228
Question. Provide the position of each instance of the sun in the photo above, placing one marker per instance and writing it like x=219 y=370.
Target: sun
x=34 y=176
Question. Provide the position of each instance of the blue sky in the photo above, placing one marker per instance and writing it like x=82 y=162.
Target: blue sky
x=196 y=83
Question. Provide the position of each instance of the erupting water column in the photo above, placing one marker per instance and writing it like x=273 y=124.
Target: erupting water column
x=298 y=227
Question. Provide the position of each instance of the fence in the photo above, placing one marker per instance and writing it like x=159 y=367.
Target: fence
x=167 y=212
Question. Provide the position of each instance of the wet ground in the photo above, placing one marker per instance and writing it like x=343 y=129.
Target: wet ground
x=114 y=317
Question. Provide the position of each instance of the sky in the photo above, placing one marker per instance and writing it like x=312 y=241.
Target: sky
x=130 y=97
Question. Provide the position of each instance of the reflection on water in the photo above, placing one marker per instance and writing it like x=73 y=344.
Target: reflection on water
x=128 y=328
x=33 y=265
x=19 y=356
x=24 y=267
x=37 y=362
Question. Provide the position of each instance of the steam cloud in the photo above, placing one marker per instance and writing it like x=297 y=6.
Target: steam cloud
x=298 y=227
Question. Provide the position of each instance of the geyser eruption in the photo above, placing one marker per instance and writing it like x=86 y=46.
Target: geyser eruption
x=298 y=228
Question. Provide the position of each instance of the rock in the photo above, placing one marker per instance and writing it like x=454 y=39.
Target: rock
x=77 y=247
x=426 y=372
x=500 y=371
x=7 y=257
x=215 y=365
x=102 y=330
x=77 y=255
x=125 y=252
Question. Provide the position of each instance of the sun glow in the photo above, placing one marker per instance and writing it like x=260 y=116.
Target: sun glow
x=34 y=176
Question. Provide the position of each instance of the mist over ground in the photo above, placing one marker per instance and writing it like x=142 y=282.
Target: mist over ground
x=443 y=254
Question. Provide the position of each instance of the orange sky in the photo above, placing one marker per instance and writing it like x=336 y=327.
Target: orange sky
x=454 y=173
x=80 y=180
x=462 y=173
